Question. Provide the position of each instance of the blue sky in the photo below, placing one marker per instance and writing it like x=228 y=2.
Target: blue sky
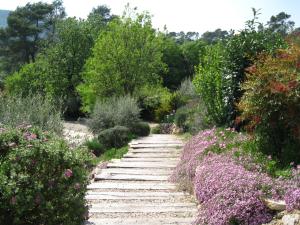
x=185 y=15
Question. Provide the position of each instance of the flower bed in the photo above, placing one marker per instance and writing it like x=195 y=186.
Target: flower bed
x=230 y=183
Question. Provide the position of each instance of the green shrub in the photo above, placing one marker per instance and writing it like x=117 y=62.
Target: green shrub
x=96 y=147
x=222 y=69
x=113 y=153
x=34 y=110
x=156 y=102
x=141 y=129
x=42 y=181
x=156 y=130
x=116 y=111
x=187 y=90
x=271 y=103
x=212 y=83
x=181 y=117
x=192 y=117
x=115 y=137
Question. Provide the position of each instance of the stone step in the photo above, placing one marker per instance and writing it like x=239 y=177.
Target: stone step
x=133 y=195
x=149 y=141
x=155 y=150
x=105 y=176
x=171 y=159
x=141 y=165
x=132 y=185
x=151 y=155
x=145 y=208
x=158 y=145
x=135 y=190
x=139 y=171
x=140 y=221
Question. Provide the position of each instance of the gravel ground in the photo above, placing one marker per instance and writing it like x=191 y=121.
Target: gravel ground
x=76 y=133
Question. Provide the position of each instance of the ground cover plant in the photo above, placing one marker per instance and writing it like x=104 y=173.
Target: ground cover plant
x=230 y=177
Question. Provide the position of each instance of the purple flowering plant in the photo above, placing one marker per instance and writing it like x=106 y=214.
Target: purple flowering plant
x=230 y=178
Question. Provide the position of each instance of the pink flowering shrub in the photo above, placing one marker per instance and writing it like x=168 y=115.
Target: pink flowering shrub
x=42 y=181
x=230 y=181
x=205 y=141
x=292 y=199
x=193 y=150
x=229 y=193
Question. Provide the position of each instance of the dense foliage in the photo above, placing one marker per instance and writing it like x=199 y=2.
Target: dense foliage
x=56 y=71
x=156 y=102
x=116 y=111
x=115 y=137
x=125 y=57
x=213 y=83
x=42 y=181
x=141 y=129
x=33 y=109
x=29 y=28
x=222 y=72
x=271 y=103
x=180 y=59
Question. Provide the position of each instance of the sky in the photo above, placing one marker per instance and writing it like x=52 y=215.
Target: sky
x=184 y=15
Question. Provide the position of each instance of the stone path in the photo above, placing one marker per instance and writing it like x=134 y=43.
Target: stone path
x=135 y=190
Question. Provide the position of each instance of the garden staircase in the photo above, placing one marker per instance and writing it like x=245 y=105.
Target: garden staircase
x=135 y=190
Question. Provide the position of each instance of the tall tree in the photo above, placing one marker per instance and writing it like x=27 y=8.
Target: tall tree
x=182 y=37
x=175 y=61
x=56 y=71
x=99 y=18
x=125 y=57
x=211 y=37
x=27 y=29
x=193 y=52
x=281 y=24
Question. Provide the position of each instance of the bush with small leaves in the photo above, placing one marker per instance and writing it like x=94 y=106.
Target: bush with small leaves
x=271 y=103
x=42 y=180
x=156 y=130
x=140 y=129
x=187 y=90
x=115 y=137
x=96 y=147
x=181 y=118
x=116 y=111
x=156 y=102
x=33 y=109
x=192 y=117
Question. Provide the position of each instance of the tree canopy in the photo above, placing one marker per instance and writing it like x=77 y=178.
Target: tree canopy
x=126 y=56
x=28 y=28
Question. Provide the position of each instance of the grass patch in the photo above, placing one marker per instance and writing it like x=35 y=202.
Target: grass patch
x=113 y=153
x=185 y=136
